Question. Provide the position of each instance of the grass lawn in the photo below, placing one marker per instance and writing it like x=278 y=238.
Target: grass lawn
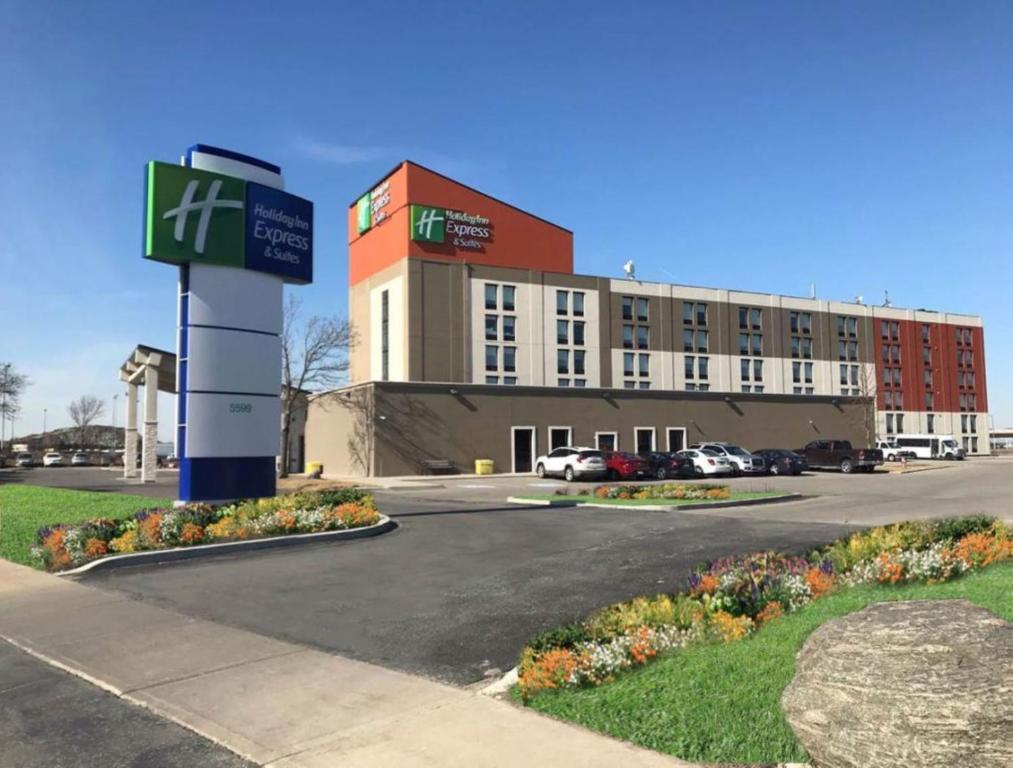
x=721 y=703
x=591 y=499
x=26 y=508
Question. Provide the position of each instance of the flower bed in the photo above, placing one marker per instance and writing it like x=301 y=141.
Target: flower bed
x=688 y=491
x=731 y=598
x=60 y=547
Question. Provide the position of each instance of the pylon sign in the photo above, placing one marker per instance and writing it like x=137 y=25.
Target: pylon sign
x=237 y=237
x=211 y=218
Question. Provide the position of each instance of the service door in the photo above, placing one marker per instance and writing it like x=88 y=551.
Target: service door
x=523 y=449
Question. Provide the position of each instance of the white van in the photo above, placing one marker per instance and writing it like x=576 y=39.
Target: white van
x=931 y=446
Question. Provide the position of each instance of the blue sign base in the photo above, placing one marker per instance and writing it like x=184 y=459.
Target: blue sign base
x=226 y=479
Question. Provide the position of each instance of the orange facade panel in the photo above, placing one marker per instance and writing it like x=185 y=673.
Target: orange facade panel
x=453 y=222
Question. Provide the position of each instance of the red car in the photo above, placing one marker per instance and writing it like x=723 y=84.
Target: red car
x=626 y=466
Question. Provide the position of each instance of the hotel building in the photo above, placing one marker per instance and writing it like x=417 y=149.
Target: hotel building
x=477 y=340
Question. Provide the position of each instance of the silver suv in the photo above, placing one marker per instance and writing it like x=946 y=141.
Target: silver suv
x=741 y=460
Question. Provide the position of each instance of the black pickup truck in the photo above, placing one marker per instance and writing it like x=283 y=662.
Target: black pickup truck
x=840 y=454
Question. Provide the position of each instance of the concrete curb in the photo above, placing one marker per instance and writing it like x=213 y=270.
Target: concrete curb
x=662 y=507
x=226 y=547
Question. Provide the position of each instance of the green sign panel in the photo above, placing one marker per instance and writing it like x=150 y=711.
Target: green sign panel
x=428 y=224
x=194 y=215
x=363 y=213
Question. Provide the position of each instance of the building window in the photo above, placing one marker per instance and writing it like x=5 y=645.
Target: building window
x=928 y=401
x=491 y=327
x=491 y=295
x=385 y=335
x=900 y=422
x=801 y=322
x=847 y=327
x=974 y=444
x=580 y=382
x=641 y=309
x=642 y=336
x=563 y=361
x=563 y=383
x=578 y=333
x=644 y=364
x=578 y=303
x=509 y=379
x=644 y=384
x=628 y=363
x=627 y=307
x=925 y=334
x=928 y=378
x=702 y=341
x=687 y=313
x=509 y=328
x=509 y=294
x=750 y=318
x=578 y=362
x=750 y=343
x=491 y=358
x=889 y=423
x=696 y=368
x=751 y=370
x=688 y=340
x=627 y=337
x=629 y=384
x=510 y=359
x=927 y=355
x=562 y=332
x=492 y=379
x=689 y=364
x=562 y=302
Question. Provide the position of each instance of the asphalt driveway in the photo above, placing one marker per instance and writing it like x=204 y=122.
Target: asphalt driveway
x=457 y=590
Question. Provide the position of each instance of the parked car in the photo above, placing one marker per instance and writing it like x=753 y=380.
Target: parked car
x=24 y=460
x=742 y=461
x=666 y=465
x=781 y=461
x=706 y=462
x=842 y=455
x=79 y=459
x=625 y=466
x=571 y=463
x=52 y=459
x=893 y=452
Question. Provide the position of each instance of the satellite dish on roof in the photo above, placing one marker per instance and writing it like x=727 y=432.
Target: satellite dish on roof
x=630 y=269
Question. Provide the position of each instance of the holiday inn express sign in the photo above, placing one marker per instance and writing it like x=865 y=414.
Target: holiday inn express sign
x=442 y=225
x=237 y=238
x=210 y=218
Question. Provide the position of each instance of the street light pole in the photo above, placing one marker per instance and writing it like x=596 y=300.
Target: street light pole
x=44 y=410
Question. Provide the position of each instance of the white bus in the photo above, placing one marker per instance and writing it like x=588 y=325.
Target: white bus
x=930 y=446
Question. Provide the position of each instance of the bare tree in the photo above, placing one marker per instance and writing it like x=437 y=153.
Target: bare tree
x=12 y=385
x=864 y=417
x=314 y=356
x=83 y=413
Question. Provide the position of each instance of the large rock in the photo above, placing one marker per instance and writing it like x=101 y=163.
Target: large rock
x=905 y=685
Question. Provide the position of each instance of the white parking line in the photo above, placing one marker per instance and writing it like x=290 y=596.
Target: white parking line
x=545 y=485
x=476 y=486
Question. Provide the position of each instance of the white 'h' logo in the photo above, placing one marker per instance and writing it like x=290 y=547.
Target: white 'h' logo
x=427 y=219
x=187 y=204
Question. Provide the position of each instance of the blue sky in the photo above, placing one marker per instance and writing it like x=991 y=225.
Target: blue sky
x=859 y=146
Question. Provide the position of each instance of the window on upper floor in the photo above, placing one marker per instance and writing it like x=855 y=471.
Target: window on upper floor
x=509 y=298
x=642 y=305
x=627 y=307
x=578 y=303
x=491 y=296
x=578 y=333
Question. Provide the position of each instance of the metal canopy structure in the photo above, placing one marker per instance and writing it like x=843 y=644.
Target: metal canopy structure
x=155 y=370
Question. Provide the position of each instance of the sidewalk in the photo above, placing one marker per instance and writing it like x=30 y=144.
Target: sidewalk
x=280 y=704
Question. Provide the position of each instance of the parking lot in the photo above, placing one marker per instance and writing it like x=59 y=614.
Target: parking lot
x=467 y=578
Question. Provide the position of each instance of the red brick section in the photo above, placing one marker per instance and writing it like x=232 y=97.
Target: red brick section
x=942 y=341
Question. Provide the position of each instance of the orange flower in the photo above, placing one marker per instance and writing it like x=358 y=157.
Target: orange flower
x=191 y=534
x=641 y=649
x=730 y=628
x=708 y=584
x=981 y=549
x=891 y=572
x=95 y=548
x=551 y=670
x=770 y=612
x=819 y=582
x=150 y=528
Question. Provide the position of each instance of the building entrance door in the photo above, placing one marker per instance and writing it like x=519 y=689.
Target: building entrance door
x=676 y=439
x=523 y=451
